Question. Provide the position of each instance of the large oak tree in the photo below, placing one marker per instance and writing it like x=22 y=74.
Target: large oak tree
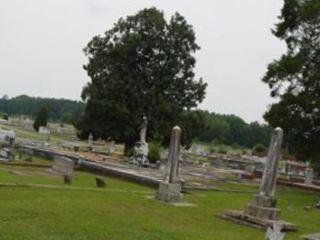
x=144 y=65
x=295 y=78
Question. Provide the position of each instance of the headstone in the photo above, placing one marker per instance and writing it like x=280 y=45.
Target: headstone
x=111 y=145
x=90 y=140
x=263 y=205
x=262 y=211
x=309 y=176
x=7 y=136
x=269 y=178
x=170 y=189
x=44 y=130
x=141 y=148
x=5 y=154
x=100 y=182
x=63 y=166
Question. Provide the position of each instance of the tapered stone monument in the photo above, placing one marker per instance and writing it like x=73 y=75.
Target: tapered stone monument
x=262 y=211
x=170 y=189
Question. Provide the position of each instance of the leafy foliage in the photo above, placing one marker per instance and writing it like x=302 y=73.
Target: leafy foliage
x=259 y=149
x=295 y=78
x=229 y=129
x=142 y=66
x=41 y=119
x=58 y=109
x=154 y=151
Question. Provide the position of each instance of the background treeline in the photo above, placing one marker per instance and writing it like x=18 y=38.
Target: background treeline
x=58 y=109
x=228 y=129
x=199 y=125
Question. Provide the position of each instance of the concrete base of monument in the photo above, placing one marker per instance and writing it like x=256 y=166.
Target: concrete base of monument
x=256 y=222
x=315 y=236
x=169 y=193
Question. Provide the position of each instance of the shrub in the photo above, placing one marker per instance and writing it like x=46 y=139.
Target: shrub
x=211 y=149
x=259 y=149
x=154 y=151
x=222 y=150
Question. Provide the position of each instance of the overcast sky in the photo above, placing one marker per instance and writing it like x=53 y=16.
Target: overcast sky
x=41 y=44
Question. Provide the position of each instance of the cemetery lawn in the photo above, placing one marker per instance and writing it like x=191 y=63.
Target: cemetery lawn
x=37 y=205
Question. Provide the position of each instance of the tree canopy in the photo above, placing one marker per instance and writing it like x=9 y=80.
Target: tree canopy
x=228 y=129
x=41 y=119
x=58 y=109
x=144 y=65
x=295 y=78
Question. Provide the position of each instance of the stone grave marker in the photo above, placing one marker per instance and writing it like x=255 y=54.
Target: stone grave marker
x=170 y=189
x=5 y=154
x=262 y=211
x=309 y=176
x=63 y=166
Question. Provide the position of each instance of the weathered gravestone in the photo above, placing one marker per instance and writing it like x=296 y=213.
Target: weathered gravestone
x=262 y=211
x=63 y=166
x=141 y=148
x=170 y=189
x=90 y=142
x=5 y=154
x=309 y=176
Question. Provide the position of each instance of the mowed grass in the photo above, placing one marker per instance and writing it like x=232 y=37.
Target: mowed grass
x=125 y=210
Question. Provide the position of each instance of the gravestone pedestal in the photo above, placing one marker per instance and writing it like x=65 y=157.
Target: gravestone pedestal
x=169 y=192
x=262 y=211
x=263 y=207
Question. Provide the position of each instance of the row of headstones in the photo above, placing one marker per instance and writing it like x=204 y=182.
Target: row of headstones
x=65 y=167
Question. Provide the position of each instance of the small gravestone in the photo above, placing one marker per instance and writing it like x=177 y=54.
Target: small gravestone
x=44 y=130
x=90 y=140
x=63 y=166
x=5 y=154
x=100 y=182
x=262 y=211
x=309 y=176
x=170 y=189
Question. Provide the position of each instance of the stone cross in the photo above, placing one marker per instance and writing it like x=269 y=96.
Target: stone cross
x=269 y=178
x=172 y=167
x=143 y=131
